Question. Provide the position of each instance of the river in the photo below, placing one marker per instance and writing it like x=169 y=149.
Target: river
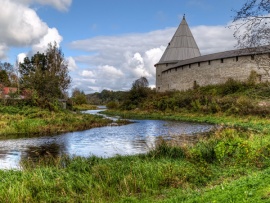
x=137 y=137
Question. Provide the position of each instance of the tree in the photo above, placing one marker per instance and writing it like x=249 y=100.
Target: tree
x=46 y=74
x=142 y=82
x=251 y=23
x=78 y=97
x=7 y=75
x=4 y=80
x=252 y=31
x=139 y=91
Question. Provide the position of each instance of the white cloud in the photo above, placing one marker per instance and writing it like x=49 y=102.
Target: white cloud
x=51 y=37
x=129 y=56
x=22 y=27
x=108 y=71
x=3 y=50
x=19 y=24
x=134 y=55
x=20 y=57
x=72 y=66
x=61 y=5
x=87 y=73
x=211 y=39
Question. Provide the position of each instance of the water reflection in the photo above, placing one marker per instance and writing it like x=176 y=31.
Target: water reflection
x=108 y=141
x=47 y=150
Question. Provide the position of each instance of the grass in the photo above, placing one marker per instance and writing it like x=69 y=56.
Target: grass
x=84 y=107
x=230 y=165
x=33 y=121
x=248 y=122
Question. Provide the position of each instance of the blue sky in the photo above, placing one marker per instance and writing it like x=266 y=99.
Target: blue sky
x=110 y=43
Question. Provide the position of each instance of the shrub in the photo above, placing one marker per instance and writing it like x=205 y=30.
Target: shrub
x=112 y=105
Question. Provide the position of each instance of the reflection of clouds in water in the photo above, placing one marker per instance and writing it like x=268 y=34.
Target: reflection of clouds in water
x=138 y=137
x=10 y=159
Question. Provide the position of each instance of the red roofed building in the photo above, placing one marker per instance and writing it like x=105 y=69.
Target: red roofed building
x=6 y=92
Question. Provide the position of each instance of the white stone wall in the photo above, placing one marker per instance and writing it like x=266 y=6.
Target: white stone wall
x=183 y=78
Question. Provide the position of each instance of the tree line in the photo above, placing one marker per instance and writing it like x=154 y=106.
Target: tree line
x=45 y=75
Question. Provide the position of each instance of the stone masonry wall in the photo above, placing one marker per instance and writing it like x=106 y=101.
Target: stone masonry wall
x=205 y=73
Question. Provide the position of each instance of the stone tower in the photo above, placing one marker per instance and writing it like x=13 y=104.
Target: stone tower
x=181 y=47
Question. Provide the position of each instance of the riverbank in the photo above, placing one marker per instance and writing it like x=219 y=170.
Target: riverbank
x=227 y=165
x=33 y=121
x=231 y=164
x=248 y=122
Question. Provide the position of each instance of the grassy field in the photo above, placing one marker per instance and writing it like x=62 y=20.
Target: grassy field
x=247 y=122
x=229 y=165
x=33 y=121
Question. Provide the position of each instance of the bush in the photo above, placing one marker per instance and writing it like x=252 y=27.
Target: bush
x=112 y=105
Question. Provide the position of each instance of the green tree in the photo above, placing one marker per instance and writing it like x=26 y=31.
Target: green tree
x=46 y=74
x=139 y=91
x=78 y=97
x=4 y=80
x=7 y=75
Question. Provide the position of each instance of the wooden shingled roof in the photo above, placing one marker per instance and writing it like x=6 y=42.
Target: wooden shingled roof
x=182 y=46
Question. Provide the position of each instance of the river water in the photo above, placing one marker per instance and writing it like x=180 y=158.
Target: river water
x=134 y=138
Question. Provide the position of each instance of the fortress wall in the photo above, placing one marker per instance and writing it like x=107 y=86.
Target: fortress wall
x=203 y=73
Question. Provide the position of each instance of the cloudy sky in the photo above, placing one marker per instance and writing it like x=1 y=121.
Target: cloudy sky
x=111 y=43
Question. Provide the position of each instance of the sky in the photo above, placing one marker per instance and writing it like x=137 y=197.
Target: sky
x=108 y=44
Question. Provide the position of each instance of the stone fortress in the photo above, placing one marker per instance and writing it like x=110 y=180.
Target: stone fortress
x=182 y=66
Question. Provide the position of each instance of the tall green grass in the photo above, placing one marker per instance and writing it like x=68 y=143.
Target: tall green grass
x=231 y=98
x=228 y=161
x=34 y=121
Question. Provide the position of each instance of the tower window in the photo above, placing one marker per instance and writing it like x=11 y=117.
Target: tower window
x=221 y=60
x=252 y=57
x=189 y=65
x=236 y=58
x=199 y=64
x=209 y=62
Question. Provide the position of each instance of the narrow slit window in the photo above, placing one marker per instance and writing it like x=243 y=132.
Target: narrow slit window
x=236 y=58
x=252 y=57
x=199 y=64
x=221 y=60
x=209 y=62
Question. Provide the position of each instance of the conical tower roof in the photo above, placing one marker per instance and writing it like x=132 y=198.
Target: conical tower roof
x=182 y=46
